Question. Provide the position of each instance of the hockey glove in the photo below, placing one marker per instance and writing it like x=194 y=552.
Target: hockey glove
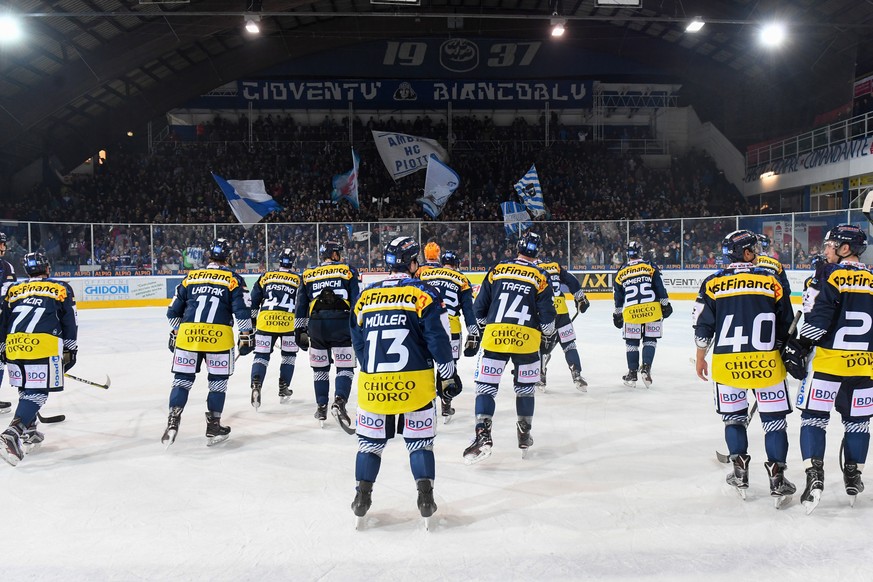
x=471 y=346
x=246 y=342
x=171 y=344
x=666 y=310
x=69 y=359
x=794 y=357
x=617 y=320
x=451 y=387
x=301 y=338
x=582 y=304
x=548 y=343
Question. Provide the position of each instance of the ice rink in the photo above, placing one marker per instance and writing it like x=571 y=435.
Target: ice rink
x=621 y=484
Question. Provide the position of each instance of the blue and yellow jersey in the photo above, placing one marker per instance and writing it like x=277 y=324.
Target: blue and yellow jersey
x=204 y=307
x=515 y=304
x=839 y=319
x=38 y=319
x=274 y=298
x=562 y=282
x=456 y=292
x=329 y=287
x=399 y=330
x=743 y=311
x=637 y=290
x=774 y=266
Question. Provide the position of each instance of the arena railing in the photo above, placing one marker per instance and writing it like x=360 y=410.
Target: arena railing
x=89 y=250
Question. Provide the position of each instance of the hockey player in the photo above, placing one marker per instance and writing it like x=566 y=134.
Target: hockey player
x=641 y=306
x=837 y=339
x=742 y=312
x=322 y=318
x=457 y=296
x=273 y=298
x=7 y=277
x=431 y=256
x=765 y=261
x=515 y=307
x=201 y=318
x=38 y=342
x=400 y=332
x=562 y=280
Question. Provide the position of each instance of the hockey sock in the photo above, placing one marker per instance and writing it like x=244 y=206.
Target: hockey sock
x=421 y=460
x=344 y=383
x=2 y=371
x=484 y=405
x=181 y=387
x=524 y=404
x=775 y=437
x=649 y=351
x=286 y=368
x=571 y=354
x=321 y=382
x=632 y=347
x=812 y=435
x=735 y=435
x=857 y=440
x=259 y=366
x=215 y=401
x=29 y=403
x=367 y=466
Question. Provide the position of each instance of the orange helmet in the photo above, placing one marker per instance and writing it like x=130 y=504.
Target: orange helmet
x=432 y=252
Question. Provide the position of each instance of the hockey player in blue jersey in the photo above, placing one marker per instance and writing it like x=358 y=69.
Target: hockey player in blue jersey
x=765 y=261
x=38 y=341
x=562 y=281
x=836 y=340
x=742 y=312
x=7 y=277
x=457 y=296
x=274 y=296
x=201 y=318
x=516 y=310
x=322 y=319
x=641 y=306
x=399 y=329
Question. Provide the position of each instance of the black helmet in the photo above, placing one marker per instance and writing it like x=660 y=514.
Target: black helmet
x=287 y=258
x=450 y=258
x=764 y=241
x=529 y=244
x=634 y=250
x=36 y=264
x=736 y=242
x=220 y=250
x=848 y=234
x=329 y=247
x=2 y=237
x=400 y=251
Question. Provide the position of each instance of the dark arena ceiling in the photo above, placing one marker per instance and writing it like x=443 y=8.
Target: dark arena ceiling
x=88 y=70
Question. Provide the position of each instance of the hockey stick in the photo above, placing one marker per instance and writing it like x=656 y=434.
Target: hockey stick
x=51 y=419
x=792 y=331
x=868 y=204
x=89 y=382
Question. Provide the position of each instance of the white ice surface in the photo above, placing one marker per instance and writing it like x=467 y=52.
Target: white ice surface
x=621 y=484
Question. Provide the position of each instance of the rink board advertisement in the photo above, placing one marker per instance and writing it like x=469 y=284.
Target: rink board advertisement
x=98 y=292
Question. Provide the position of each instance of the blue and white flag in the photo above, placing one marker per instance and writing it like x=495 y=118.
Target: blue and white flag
x=531 y=192
x=248 y=199
x=515 y=218
x=345 y=186
x=440 y=182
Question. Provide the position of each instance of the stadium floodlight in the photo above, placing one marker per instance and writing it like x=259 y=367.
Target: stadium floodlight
x=773 y=34
x=252 y=23
x=695 y=25
x=10 y=29
x=558 y=26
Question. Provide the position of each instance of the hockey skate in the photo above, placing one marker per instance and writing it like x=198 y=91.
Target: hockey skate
x=525 y=441
x=646 y=374
x=426 y=505
x=172 y=427
x=12 y=449
x=814 y=485
x=480 y=448
x=285 y=392
x=338 y=411
x=363 y=500
x=578 y=381
x=781 y=489
x=321 y=414
x=739 y=478
x=32 y=439
x=256 y=392
x=215 y=433
x=852 y=480
x=446 y=409
x=630 y=379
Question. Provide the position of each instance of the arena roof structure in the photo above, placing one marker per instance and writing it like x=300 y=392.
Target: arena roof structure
x=85 y=71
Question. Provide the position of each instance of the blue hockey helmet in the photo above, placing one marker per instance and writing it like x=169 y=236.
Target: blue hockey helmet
x=220 y=250
x=764 y=241
x=529 y=244
x=450 y=258
x=401 y=251
x=329 y=247
x=35 y=264
x=815 y=261
x=736 y=243
x=848 y=234
x=634 y=250
x=287 y=258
